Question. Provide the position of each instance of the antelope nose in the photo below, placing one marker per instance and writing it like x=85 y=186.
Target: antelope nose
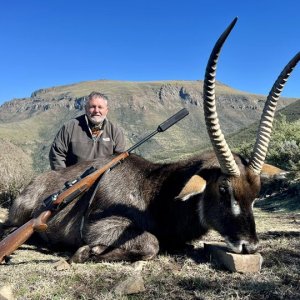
x=249 y=248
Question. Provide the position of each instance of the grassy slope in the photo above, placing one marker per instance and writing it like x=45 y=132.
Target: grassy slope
x=34 y=135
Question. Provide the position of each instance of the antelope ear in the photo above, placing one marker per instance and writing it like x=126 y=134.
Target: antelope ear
x=196 y=185
x=269 y=171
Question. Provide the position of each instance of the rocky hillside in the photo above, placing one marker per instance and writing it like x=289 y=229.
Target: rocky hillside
x=138 y=107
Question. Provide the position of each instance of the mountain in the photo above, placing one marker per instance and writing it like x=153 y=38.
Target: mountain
x=246 y=135
x=292 y=111
x=137 y=107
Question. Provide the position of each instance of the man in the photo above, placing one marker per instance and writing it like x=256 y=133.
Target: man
x=88 y=136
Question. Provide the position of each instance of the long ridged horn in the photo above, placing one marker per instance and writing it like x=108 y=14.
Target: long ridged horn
x=265 y=127
x=223 y=153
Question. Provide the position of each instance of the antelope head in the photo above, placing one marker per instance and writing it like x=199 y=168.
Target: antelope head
x=230 y=193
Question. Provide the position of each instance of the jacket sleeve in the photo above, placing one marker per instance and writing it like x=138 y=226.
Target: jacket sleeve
x=59 y=149
x=119 y=141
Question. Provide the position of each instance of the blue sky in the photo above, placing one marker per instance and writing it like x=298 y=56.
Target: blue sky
x=57 y=42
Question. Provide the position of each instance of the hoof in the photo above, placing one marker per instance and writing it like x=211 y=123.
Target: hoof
x=81 y=255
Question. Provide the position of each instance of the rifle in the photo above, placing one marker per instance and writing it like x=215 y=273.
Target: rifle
x=72 y=190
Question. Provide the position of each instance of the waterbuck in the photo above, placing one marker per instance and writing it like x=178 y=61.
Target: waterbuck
x=142 y=206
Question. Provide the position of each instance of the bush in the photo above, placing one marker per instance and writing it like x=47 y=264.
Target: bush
x=286 y=155
x=284 y=147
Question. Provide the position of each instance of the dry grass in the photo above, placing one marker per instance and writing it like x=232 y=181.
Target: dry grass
x=188 y=274
x=15 y=169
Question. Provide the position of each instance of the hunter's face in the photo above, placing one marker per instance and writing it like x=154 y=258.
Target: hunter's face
x=96 y=109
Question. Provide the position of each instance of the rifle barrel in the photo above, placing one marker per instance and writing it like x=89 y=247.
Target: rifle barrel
x=162 y=127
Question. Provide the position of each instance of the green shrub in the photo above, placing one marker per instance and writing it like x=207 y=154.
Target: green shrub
x=284 y=147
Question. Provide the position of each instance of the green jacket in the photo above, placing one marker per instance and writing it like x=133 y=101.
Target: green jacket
x=74 y=143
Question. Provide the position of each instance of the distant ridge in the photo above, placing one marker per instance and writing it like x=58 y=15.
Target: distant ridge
x=31 y=123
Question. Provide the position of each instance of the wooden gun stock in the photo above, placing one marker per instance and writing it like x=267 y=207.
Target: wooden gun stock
x=22 y=234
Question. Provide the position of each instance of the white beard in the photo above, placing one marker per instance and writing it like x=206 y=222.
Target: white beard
x=95 y=120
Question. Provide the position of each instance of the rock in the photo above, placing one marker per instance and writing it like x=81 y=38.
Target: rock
x=242 y=263
x=131 y=285
x=138 y=265
x=6 y=293
x=62 y=265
